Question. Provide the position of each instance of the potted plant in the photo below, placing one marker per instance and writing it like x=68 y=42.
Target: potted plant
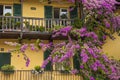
x=7 y=69
x=41 y=29
x=37 y=70
x=64 y=71
x=17 y=25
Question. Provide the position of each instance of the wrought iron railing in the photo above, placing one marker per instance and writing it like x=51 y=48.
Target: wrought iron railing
x=28 y=24
x=31 y=75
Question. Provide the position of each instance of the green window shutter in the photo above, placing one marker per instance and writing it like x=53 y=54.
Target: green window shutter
x=1 y=9
x=46 y=55
x=17 y=10
x=5 y=58
x=76 y=64
x=74 y=13
x=48 y=11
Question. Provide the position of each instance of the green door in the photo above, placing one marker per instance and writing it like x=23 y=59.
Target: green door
x=5 y=58
x=17 y=10
x=48 y=12
x=74 y=13
x=48 y=15
x=1 y=10
x=76 y=64
x=46 y=55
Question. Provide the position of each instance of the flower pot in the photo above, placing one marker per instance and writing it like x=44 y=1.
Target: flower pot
x=8 y=71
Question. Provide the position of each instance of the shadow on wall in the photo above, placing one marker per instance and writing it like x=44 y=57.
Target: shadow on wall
x=112 y=47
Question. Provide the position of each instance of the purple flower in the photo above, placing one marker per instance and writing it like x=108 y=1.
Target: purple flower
x=104 y=37
x=92 y=78
x=23 y=47
x=67 y=55
x=32 y=47
x=95 y=65
x=55 y=59
x=77 y=46
x=81 y=66
x=63 y=31
x=44 y=63
x=93 y=35
x=82 y=31
x=107 y=24
x=91 y=51
x=105 y=58
x=84 y=56
x=74 y=71
x=113 y=69
x=27 y=62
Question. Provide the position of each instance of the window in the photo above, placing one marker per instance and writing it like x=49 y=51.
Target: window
x=60 y=13
x=63 y=14
x=59 y=66
x=64 y=65
x=57 y=13
x=7 y=10
x=5 y=58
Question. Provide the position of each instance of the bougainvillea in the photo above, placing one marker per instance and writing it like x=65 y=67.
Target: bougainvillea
x=86 y=45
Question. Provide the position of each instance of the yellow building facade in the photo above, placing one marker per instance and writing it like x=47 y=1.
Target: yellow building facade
x=36 y=8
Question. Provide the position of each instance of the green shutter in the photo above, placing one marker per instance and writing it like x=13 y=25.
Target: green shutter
x=46 y=55
x=76 y=64
x=48 y=11
x=74 y=13
x=1 y=10
x=17 y=10
x=5 y=58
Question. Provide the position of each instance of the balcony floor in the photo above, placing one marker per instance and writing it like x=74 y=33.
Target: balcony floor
x=28 y=35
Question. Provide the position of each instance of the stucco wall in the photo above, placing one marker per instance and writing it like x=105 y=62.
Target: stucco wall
x=39 y=12
x=112 y=47
x=8 y=2
x=36 y=58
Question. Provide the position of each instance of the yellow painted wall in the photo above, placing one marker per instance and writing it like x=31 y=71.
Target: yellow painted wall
x=36 y=58
x=27 y=12
x=8 y=2
x=39 y=12
x=118 y=11
x=112 y=47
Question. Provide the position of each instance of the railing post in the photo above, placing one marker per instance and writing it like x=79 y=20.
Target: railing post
x=2 y=23
x=21 y=33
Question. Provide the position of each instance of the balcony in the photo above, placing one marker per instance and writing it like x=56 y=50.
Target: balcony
x=46 y=75
x=29 y=27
